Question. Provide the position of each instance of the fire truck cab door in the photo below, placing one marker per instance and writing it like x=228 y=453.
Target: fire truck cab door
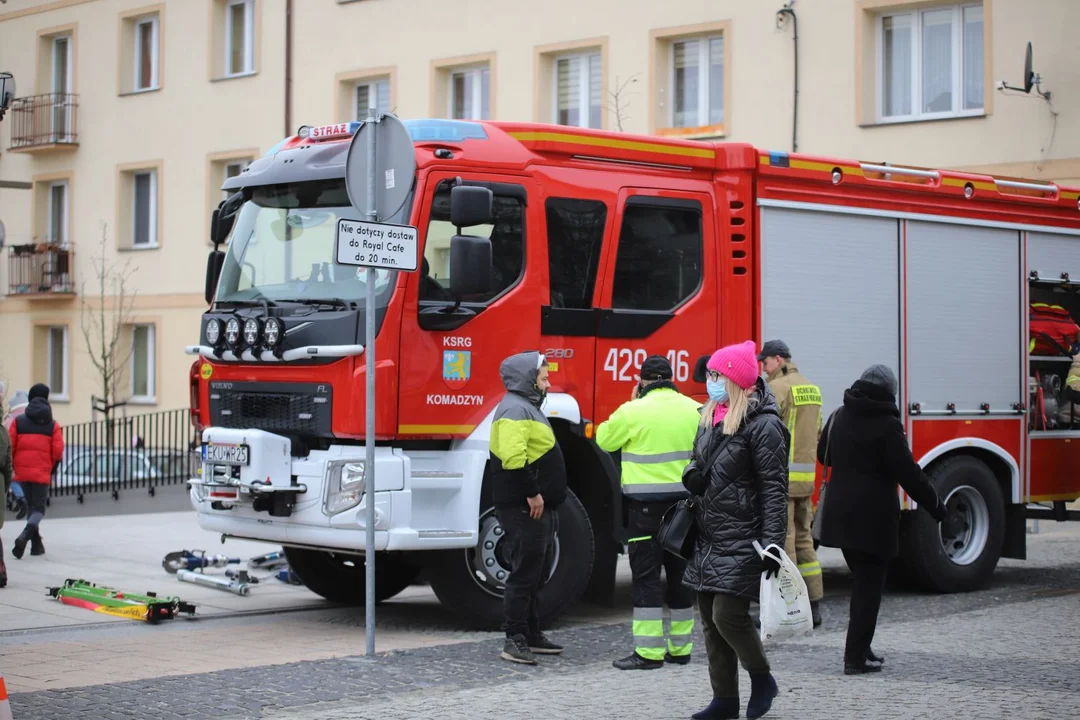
x=658 y=293
x=450 y=359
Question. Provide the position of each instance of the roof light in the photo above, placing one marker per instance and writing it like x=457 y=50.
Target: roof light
x=319 y=133
x=427 y=130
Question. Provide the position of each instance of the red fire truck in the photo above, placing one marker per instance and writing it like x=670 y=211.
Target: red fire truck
x=606 y=248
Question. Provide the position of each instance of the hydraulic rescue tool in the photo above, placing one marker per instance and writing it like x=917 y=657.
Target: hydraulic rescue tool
x=240 y=585
x=146 y=607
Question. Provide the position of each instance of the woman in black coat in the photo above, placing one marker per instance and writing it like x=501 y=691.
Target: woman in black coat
x=738 y=476
x=869 y=455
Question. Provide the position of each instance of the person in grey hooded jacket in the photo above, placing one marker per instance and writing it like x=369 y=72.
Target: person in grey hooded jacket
x=528 y=485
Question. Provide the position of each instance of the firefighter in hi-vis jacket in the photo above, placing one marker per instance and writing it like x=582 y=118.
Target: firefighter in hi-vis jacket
x=800 y=409
x=655 y=432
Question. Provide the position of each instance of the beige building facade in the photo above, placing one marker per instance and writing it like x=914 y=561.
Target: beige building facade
x=130 y=114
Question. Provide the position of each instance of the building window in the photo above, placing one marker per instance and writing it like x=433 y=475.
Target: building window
x=146 y=54
x=144 y=209
x=658 y=265
x=58 y=362
x=579 y=90
x=142 y=363
x=930 y=63
x=58 y=213
x=698 y=82
x=239 y=37
x=371 y=96
x=231 y=170
x=470 y=93
x=62 y=124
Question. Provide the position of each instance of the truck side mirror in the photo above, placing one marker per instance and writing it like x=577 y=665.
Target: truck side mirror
x=470 y=266
x=470 y=205
x=213 y=271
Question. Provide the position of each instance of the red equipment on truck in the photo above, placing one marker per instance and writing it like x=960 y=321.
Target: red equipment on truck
x=606 y=248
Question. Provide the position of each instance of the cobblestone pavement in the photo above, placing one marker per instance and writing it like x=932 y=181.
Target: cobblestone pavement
x=1005 y=652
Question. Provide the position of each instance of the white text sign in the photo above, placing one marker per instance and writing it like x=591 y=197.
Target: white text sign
x=376 y=245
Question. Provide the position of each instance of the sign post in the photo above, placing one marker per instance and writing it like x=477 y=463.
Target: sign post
x=379 y=172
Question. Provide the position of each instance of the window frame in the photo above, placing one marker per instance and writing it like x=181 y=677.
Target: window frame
x=155 y=82
x=584 y=92
x=152 y=210
x=151 y=365
x=704 y=79
x=372 y=84
x=476 y=102
x=916 y=91
x=65 y=222
x=65 y=369
x=249 y=38
x=647 y=201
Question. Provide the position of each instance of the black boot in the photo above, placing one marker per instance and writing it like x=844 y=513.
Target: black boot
x=762 y=691
x=861 y=668
x=719 y=709
x=815 y=612
x=20 y=544
x=871 y=657
x=3 y=567
x=36 y=546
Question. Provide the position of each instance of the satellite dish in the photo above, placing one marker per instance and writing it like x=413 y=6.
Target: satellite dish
x=1029 y=76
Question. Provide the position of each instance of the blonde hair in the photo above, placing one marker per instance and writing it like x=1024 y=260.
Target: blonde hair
x=738 y=404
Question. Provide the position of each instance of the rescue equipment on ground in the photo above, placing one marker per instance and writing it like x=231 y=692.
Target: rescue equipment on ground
x=147 y=607
x=239 y=585
x=195 y=560
x=188 y=566
x=1053 y=331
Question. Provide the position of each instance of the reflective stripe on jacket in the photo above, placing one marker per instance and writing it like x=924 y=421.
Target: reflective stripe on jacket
x=800 y=409
x=656 y=436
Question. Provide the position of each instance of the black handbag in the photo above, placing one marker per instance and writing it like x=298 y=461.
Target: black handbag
x=819 y=514
x=678 y=528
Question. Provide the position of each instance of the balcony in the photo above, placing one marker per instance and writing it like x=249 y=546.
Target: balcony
x=40 y=271
x=44 y=123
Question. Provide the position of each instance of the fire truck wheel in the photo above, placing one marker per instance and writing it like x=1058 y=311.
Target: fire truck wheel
x=470 y=583
x=340 y=577
x=960 y=554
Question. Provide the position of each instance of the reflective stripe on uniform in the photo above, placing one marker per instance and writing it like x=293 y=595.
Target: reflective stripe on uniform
x=652 y=488
x=649 y=640
x=654 y=458
x=681 y=631
x=639 y=539
x=808 y=569
x=801 y=472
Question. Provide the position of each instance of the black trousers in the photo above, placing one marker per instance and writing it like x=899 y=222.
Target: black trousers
x=37 y=495
x=869 y=572
x=532 y=551
x=647 y=561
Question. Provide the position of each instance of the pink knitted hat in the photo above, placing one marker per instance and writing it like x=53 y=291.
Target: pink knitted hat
x=738 y=363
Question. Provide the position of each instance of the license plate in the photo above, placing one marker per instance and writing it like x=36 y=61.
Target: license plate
x=226 y=454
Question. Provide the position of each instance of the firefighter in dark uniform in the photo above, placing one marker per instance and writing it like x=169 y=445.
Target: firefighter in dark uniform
x=655 y=432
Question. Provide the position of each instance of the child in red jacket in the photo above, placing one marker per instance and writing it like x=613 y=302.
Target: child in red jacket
x=37 y=445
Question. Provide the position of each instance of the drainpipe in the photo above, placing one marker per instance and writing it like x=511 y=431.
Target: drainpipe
x=288 y=67
x=781 y=19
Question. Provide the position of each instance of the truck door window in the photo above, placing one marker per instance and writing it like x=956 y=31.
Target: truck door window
x=507 y=235
x=575 y=233
x=659 y=261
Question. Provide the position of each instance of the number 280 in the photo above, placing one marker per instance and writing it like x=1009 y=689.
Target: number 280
x=621 y=361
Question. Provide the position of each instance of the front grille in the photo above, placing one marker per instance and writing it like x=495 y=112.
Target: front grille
x=286 y=408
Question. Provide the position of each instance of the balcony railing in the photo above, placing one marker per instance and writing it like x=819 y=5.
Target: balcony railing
x=45 y=121
x=40 y=270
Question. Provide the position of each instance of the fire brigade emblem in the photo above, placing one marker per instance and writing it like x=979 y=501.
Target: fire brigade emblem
x=456 y=368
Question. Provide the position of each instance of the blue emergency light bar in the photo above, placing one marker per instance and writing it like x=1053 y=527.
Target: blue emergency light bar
x=422 y=130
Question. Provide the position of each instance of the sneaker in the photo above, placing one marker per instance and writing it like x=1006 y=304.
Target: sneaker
x=636 y=662
x=515 y=650
x=676 y=659
x=541 y=645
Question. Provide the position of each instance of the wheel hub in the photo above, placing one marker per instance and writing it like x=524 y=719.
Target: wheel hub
x=489 y=562
x=965 y=532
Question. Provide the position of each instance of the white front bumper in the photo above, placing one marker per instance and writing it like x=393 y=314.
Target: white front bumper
x=424 y=500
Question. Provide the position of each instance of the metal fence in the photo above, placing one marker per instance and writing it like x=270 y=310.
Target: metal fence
x=48 y=119
x=127 y=453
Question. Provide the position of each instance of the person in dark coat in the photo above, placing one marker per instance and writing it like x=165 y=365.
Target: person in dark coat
x=741 y=497
x=868 y=455
x=37 y=446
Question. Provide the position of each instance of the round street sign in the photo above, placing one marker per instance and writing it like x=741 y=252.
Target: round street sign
x=395 y=166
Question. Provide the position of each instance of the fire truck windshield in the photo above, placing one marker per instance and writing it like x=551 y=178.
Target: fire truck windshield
x=281 y=248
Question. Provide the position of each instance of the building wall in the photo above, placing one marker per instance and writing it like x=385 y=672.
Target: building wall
x=196 y=123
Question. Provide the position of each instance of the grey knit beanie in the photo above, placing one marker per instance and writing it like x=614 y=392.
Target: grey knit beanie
x=882 y=376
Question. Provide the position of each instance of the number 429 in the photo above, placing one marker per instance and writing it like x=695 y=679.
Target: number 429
x=621 y=361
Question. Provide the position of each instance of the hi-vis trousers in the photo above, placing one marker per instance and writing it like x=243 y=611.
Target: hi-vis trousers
x=800 y=545
x=647 y=559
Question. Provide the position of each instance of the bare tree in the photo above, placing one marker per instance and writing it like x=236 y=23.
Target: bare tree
x=103 y=325
x=618 y=103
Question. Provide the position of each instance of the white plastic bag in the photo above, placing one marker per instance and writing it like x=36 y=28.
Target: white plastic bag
x=784 y=599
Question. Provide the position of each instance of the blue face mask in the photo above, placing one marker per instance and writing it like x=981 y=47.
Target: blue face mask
x=717 y=390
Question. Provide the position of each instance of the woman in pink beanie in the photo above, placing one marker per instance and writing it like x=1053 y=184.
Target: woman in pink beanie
x=740 y=482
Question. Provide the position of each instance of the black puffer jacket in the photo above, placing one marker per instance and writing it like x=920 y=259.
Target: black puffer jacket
x=745 y=500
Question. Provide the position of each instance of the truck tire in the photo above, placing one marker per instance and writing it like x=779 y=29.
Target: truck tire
x=948 y=559
x=469 y=583
x=341 y=577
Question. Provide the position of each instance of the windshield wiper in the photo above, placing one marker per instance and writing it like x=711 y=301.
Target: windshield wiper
x=331 y=302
